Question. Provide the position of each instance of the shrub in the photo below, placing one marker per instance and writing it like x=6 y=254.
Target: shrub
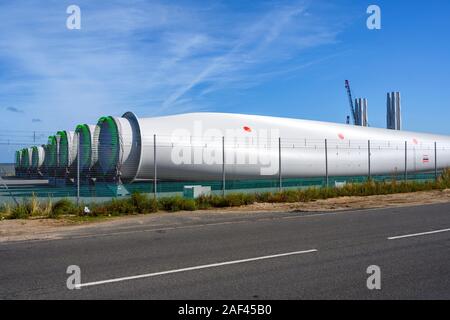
x=310 y=194
x=189 y=205
x=20 y=211
x=34 y=206
x=48 y=208
x=153 y=206
x=203 y=202
x=28 y=208
x=276 y=197
x=169 y=203
x=114 y=207
x=444 y=179
x=177 y=203
x=98 y=210
x=262 y=197
x=63 y=206
x=239 y=199
x=120 y=207
x=5 y=210
x=143 y=204
x=137 y=203
x=219 y=202
x=291 y=196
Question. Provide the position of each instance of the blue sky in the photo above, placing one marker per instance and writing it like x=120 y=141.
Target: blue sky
x=281 y=58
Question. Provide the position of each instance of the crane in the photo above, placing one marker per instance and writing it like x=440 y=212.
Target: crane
x=352 y=109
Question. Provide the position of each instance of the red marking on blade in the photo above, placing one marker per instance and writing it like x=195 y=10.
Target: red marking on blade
x=341 y=136
x=415 y=141
x=248 y=129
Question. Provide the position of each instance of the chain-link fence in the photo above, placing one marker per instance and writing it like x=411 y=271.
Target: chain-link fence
x=94 y=168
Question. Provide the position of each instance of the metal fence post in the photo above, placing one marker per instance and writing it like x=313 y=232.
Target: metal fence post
x=154 y=168
x=406 y=161
x=78 y=169
x=368 y=157
x=223 y=166
x=280 y=182
x=326 y=163
x=435 y=161
x=55 y=170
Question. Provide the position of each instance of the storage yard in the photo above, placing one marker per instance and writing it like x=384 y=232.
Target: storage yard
x=225 y=152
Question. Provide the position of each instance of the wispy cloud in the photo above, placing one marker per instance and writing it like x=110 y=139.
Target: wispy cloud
x=147 y=56
x=35 y=120
x=274 y=36
x=13 y=109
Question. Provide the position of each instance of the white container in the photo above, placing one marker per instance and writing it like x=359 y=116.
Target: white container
x=193 y=192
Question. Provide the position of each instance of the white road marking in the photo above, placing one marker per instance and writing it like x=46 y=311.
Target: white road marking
x=418 y=234
x=213 y=265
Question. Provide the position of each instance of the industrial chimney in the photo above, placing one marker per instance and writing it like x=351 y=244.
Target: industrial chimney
x=394 y=114
x=361 y=110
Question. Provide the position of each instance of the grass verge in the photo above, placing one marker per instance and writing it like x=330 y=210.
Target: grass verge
x=141 y=204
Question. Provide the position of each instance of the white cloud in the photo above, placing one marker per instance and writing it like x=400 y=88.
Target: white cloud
x=144 y=56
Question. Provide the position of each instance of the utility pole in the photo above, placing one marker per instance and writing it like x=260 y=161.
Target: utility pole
x=78 y=169
x=154 y=167
x=326 y=163
x=406 y=161
x=223 y=166
x=280 y=182
x=369 y=165
x=435 y=162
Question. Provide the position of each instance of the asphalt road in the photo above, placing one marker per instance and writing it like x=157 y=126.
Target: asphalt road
x=258 y=256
